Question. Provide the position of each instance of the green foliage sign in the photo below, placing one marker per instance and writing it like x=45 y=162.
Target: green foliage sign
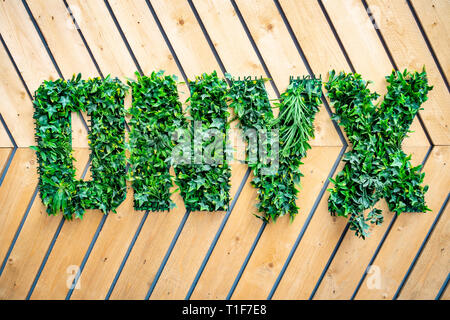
x=199 y=152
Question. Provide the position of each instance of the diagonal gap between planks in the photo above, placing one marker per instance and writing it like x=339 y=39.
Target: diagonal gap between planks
x=216 y=237
x=5 y=168
x=306 y=224
x=2 y=120
x=124 y=39
x=167 y=255
x=255 y=47
x=388 y=52
x=247 y=30
x=52 y=243
x=308 y=66
x=166 y=39
x=419 y=252
x=225 y=219
x=443 y=288
x=305 y=61
x=87 y=166
x=74 y=21
x=49 y=52
x=427 y=40
x=353 y=70
x=336 y=35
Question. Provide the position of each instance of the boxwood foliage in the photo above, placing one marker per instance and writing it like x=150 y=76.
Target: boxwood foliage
x=277 y=190
x=103 y=99
x=204 y=180
x=156 y=114
x=376 y=167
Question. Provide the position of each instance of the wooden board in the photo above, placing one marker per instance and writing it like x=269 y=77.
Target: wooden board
x=5 y=141
x=433 y=264
x=15 y=194
x=34 y=64
x=35 y=237
x=433 y=16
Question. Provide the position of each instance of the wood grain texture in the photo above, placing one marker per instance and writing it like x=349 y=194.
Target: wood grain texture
x=191 y=247
x=271 y=251
x=16 y=107
x=401 y=34
x=185 y=34
x=15 y=194
x=353 y=256
x=35 y=66
x=111 y=246
x=322 y=52
x=433 y=15
x=103 y=38
x=5 y=141
x=35 y=236
x=433 y=264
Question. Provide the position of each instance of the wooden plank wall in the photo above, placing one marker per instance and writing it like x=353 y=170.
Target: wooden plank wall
x=222 y=255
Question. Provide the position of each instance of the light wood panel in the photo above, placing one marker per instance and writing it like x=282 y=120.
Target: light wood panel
x=350 y=261
x=5 y=141
x=35 y=66
x=146 y=40
x=186 y=37
x=432 y=267
x=402 y=33
x=191 y=247
x=16 y=106
x=433 y=15
x=409 y=230
x=15 y=194
x=35 y=236
x=103 y=38
x=358 y=35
